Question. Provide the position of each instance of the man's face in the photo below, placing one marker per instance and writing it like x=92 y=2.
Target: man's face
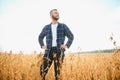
x=55 y=15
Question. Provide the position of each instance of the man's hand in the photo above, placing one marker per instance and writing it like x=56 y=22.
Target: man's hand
x=63 y=46
x=44 y=47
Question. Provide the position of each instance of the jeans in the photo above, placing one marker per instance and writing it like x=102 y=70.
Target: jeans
x=47 y=62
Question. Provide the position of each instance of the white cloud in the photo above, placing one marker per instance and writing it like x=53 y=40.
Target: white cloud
x=117 y=15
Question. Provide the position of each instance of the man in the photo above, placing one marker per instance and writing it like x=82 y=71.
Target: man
x=55 y=34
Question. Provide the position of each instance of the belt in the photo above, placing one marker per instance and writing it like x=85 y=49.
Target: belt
x=54 y=47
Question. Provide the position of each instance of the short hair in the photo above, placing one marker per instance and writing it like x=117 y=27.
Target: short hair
x=52 y=10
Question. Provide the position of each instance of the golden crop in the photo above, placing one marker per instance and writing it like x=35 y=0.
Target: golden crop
x=97 y=66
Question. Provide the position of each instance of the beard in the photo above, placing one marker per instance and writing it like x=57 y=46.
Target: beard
x=55 y=18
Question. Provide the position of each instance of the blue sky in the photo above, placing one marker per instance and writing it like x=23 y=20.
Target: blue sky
x=91 y=21
x=112 y=3
x=109 y=3
x=3 y=3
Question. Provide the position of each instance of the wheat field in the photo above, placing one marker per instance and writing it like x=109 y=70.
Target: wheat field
x=88 y=66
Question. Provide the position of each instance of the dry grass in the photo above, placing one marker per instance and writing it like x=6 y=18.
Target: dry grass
x=97 y=66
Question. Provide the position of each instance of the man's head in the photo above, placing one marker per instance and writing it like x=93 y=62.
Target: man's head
x=54 y=14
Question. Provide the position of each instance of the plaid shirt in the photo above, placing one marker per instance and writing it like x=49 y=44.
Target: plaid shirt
x=62 y=31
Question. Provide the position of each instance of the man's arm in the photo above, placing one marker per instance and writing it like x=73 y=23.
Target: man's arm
x=69 y=35
x=41 y=37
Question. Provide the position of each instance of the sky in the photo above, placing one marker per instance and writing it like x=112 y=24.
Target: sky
x=91 y=21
